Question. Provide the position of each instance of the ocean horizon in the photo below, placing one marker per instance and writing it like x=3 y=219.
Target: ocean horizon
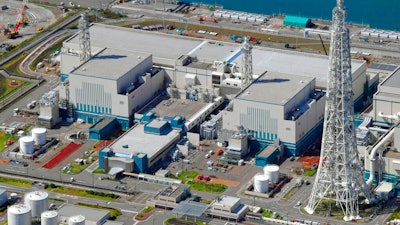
x=377 y=14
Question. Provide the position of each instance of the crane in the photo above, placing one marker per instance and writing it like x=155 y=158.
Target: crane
x=21 y=14
x=20 y=20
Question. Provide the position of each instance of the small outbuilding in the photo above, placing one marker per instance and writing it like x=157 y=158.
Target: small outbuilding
x=297 y=21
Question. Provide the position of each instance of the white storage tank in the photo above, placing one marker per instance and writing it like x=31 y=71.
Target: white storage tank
x=226 y=15
x=49 y=218
x=272 y=173
x=243 y=18
x=26 y=145
x=251 y=19
x=19 y=214
x=217 y=14
x=39 y=135
x=38 y=202
x=260 y=183
x=393 y=36
x=76 y=220
x=234 y=16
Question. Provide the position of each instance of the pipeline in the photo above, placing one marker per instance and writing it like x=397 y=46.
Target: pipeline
x=372 y=156
x=391 y=117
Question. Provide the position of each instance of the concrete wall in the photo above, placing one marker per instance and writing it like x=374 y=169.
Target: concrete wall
x=203 y=77
x=152 y=86
x=134 y=75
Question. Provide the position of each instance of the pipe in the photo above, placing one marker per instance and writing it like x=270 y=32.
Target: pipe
x=391 y=117
x=378 y=129
x=372 y=156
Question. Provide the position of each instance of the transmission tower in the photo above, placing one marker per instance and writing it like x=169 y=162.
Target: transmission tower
x=340 y=173
x=247 y=63
x=84 y=39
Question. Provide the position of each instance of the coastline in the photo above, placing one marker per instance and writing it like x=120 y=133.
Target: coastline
x=319 y=21
x=357 y=15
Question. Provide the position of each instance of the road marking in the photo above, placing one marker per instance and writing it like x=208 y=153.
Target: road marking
x=128 y=211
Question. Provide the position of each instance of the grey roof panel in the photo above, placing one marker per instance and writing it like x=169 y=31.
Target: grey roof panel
x=190 y=209
x=393 y=80
x=111 y=63
x=274 y=88
x=380 y=66
x=90 y=214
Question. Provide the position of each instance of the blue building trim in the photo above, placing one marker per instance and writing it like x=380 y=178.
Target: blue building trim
x=104 y=152
x=386 y=177
x=299 y=148
x=93 y=118
x=64 y=77
x=263 y=161
x=106 y=131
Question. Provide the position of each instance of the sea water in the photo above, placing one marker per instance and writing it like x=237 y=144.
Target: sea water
x=380 y=14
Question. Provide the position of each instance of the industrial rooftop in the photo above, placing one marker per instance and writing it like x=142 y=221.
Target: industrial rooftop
x=393 y=80
x=90 y=214
x=110 y=63
x=119 y=38
x=274 y=88
x=227 y=200
x=159 y=45
x=174 y=107
x=136 y=141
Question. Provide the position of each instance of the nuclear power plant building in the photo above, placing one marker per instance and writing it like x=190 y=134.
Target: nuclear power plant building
x=131 y=67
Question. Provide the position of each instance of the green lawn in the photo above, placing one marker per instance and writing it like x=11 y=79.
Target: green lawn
x=266 y=213
x=187 y=177
x=6 y=89
x=84 y=193
x=208 y=187
x=15 y=182
x=188 y=174
x=394 y=215
x=3 y=139
x=310 y=172
x=147 y=209
x=76 y=169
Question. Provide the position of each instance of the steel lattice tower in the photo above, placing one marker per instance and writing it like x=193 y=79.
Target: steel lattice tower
x=247 y=63
x=84 y=39
x=340 y=173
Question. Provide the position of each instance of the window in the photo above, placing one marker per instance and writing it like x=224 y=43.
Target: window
x=121 y=102
x=216 y=79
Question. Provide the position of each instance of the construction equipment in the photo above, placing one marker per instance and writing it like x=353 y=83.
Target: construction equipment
x=207 y=19
x=21 y=19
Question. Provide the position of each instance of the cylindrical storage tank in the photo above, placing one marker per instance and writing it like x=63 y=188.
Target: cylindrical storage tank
x=26 y=145
x=49 y=218
x=39 y=135
x=260 y=183
x=76 y=220
x=272 y=173
x=19 y=214
x=38 y=202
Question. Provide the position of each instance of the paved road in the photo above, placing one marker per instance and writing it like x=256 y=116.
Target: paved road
x=100 y=4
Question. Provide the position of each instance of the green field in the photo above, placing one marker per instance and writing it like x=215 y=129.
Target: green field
x=84 y=193
x=7 y=89
x=15 y=182
x=3 y=139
